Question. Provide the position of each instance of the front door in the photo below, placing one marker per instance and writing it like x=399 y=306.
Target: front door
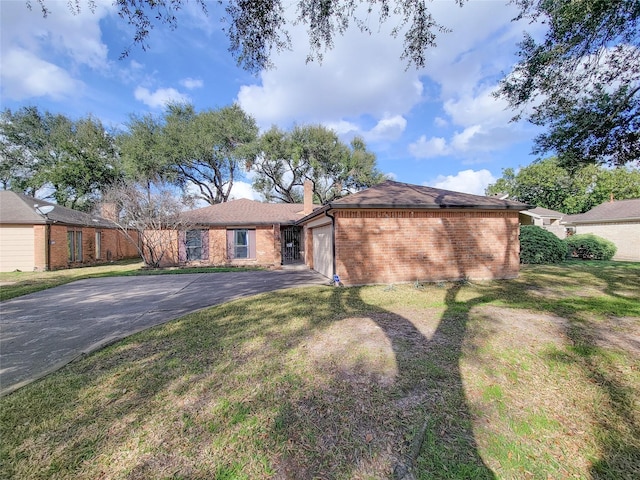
x=291 y=245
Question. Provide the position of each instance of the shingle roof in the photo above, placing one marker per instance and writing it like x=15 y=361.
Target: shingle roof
x=390 y=194
x=618 y=210
x=16 y=208
x=246 y=212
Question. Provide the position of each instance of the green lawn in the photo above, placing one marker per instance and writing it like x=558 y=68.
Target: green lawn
x=537 y=377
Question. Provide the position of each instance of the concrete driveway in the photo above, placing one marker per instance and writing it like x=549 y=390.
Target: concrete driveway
x=41 y=332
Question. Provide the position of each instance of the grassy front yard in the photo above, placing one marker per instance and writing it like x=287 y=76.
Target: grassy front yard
x=533 y=378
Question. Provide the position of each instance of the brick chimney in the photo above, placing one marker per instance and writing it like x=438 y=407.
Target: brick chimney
x=308 y=197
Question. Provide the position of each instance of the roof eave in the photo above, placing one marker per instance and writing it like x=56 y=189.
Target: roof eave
x=338 y=206
x=245 y=224
x=608 y=220
x=429 y=207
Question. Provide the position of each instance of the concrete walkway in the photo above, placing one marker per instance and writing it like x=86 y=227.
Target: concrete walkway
x=42 y=332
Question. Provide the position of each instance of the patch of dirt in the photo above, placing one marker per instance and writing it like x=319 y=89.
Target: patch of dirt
x=356 y=347
x=618 y=332
x=509 y=326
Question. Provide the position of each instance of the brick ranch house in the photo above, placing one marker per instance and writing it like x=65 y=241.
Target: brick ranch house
x=392 y=232
x=38 y=235
x=617 y=221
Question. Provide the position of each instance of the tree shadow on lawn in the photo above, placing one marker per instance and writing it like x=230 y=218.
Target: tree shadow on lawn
x=238 y=391
x=234 y=392
x=413 y=425
x=608 y=307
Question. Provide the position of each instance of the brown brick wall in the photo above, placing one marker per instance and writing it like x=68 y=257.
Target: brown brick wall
x=266 y=239
x=115 y=246
x=165 y=245
x=218 y=245
x=307 y=236
x=386 y=246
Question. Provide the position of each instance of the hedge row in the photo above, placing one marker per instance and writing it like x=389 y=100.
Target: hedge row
x=538 y=245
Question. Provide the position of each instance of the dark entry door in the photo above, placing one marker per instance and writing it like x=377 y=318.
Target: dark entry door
x=291 y=245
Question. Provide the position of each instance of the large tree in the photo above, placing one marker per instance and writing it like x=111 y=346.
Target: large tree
x=582 y=81
x=72 y=161
x=140 y=152
x=548 y=184
x=201 y=152
x=207 y=150
x=257 y=28
x=314 y=153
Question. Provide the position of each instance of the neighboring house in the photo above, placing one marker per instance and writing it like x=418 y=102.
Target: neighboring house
x=397 y=232
x=545 y=218
x=38 y=235
x=617 y=221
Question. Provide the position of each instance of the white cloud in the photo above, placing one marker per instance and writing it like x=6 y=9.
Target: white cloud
x=433 y=147
x=440 y=122
x=467 y=181
x=481 y=108
x=464 y=141
x=243 y=190
x=361 y=75
x=388 y=128
x=67 y=41
x=191 y=83
x=343 y=127
x=26 y=76
x=161 y=97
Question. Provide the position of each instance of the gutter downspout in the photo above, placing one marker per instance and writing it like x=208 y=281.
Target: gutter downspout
x=333 y=240
x=47 y=252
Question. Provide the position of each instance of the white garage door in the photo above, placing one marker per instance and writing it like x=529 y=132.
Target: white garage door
x=323 y=251
x=16 y=248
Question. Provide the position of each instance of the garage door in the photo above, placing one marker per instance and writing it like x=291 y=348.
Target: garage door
x=16 y=248
x=323 y=251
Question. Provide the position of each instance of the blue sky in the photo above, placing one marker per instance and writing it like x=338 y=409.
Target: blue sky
x=438 y=126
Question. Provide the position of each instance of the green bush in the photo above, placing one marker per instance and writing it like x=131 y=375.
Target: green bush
x=590 y=247
x=538 y=245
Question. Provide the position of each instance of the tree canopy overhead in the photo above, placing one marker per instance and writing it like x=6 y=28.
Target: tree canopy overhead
x=582 y=81
x=258 y=28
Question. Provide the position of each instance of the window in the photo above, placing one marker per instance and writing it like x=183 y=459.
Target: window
x=241 y=244
x=74 y=243
x=193 y=244
x=98 y=245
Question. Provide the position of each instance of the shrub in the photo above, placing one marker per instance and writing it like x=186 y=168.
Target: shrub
x=538 y=245
x=590 y=247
